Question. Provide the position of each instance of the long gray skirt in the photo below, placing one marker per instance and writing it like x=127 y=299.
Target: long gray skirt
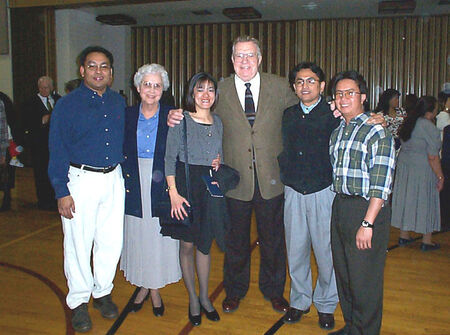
x=149 y=259
x=415 y=198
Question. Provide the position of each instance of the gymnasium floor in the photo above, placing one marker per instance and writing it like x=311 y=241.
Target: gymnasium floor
x=33 y=287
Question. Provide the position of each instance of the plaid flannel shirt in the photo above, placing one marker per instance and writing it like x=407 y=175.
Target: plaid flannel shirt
x=4 y=138
x=363 y=159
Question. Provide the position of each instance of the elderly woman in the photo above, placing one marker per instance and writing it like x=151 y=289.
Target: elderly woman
x=149 y=260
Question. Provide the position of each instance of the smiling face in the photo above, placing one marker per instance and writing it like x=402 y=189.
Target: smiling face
x=45 y=87
x=151 y=89
x=394 y=102
x=349 y=100
x=246 y=60
x=96 y=71
x=308 y=87
x=204 y=96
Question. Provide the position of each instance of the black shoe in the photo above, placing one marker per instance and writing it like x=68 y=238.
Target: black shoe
x=137 y=306
x=342 y=331
x=430 y=247
x=107 y=308
x=213 y=315
x=326 y=320
x=405 y=241
x=196 y=320
x=159 y=311
x=81 y=322
x=294 y=315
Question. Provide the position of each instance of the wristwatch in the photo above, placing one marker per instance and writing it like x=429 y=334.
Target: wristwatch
x=366 y=224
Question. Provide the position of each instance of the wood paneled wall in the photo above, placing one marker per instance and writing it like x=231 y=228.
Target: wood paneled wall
x=409 y=54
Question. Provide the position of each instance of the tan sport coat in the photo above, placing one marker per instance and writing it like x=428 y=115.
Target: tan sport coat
x=240 y=139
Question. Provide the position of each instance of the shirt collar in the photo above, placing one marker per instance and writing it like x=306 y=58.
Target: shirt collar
x=87 y=90
x=142 y=117
x=308 y=109
x=255 y=80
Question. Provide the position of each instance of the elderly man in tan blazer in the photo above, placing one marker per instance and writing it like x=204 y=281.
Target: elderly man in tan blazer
x=251 y=107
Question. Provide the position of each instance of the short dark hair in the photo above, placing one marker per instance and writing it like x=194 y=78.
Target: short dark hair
x=352 y=75
x=385 y=98
x=306 y=65
x=95 y=48
x=195 y=79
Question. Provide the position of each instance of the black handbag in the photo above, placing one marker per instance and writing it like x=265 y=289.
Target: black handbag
x=164 y=206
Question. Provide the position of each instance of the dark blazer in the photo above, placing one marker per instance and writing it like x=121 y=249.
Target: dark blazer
x=33 y=111
x=130 y=167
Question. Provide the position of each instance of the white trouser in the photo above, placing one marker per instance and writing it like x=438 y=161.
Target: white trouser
x=98 y=221
x=307 y=220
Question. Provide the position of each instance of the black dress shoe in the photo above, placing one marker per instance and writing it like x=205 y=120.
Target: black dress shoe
x=196 y=320
x=342 y=331
x=430 y=247
x=405 y=241
x=159 y=311
x=137 y=306
x=81 y=322
x=326 y=320
x=230 y=304
x=279 y=304
x=213 y=315
x=294 y=315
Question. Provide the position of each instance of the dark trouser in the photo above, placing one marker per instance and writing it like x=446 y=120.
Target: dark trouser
x=44 y=189
x=269 y=222
x=359 y=273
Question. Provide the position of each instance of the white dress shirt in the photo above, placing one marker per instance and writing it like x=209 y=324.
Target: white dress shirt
x=254 y=87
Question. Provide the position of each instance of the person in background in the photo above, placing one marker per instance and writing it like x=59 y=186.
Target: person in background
x=389 y=106
x=204 y=145
x=409 y=103
x=36 y=112
x=86 y=149
x=149 y=260
x=72 y=85
x=443 y=117
x=419 y=177
x=363 y=160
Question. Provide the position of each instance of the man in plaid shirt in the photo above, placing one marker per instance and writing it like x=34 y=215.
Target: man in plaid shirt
x=363 y=160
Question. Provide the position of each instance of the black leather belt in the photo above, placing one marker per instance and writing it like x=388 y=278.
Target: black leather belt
x=94 y=169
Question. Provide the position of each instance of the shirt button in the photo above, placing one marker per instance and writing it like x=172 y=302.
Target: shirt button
x=346 y=134
x=106 y=129
x=104 y=115
x=128 y=191
x=148 y=136
x=107 y=157
x=303 y=116
x=107 y=143
x=337 y=178
x=300 y=153
x=147 y=150
x=103 y=102
x=128 y=175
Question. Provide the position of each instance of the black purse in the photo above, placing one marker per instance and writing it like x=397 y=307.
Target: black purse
x=164 y=206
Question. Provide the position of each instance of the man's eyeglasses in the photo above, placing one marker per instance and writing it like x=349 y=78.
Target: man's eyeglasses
x=101 y=67
x=347 y=94
x=149 y=85
x=241 y=56
x=308 y=81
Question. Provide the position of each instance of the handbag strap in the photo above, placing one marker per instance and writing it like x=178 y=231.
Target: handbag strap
x=186 y=163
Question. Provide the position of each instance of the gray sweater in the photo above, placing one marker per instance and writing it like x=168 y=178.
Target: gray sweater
x=204 y=143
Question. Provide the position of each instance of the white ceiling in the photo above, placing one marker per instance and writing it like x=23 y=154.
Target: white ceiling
x=180 y=12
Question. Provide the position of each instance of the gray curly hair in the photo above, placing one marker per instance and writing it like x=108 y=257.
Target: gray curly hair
x=151 y=69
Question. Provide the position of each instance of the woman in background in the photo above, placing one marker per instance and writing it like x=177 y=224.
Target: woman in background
x=149 y=260
x=388 y=105
x=419 y=177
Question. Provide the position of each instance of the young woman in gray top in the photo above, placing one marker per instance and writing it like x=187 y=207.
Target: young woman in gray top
x=204 y=142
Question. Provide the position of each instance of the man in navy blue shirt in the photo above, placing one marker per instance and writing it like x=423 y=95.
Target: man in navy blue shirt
x=86 y=137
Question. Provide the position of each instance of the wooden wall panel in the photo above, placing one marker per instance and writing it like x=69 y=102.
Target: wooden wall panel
x=409 y=54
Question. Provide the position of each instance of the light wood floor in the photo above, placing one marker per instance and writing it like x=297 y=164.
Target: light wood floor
x=33 y=287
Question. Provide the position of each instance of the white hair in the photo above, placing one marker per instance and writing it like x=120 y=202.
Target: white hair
x=240 y=39
x=151 y=69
